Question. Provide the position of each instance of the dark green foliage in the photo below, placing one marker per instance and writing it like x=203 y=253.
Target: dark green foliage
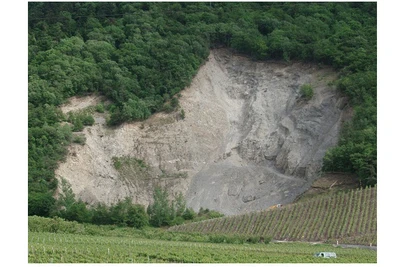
x=163 y=212
x=139 y=55
x=79 y=120
x=357 y=148
x=40 y=204
x=189 y=214
x=122 y=213
x=77 y=212
x=125 y=213
x=101 y=215
x=360 y=86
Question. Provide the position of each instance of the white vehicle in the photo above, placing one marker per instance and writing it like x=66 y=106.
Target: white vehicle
x=325 y=254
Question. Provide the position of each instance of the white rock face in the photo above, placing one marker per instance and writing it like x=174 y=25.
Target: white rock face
x=248 y=140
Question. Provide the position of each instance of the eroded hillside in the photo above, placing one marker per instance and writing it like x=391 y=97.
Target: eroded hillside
x=248 y=140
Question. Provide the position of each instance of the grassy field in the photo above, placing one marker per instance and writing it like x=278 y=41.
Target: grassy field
x=345 y=217
x=46 y=247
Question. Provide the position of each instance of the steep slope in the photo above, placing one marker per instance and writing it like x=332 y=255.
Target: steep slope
x=248 y=140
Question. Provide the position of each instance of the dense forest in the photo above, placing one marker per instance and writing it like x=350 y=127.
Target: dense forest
x=140 y=55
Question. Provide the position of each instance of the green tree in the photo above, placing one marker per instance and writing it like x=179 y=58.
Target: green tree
x=77 y=212
x=160 y=212
x=137 y=216
x=65 y=200
x=101 y=214
x=40 y=204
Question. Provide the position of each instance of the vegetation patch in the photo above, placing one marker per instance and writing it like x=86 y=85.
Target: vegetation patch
x=307 y=91
x=125 y=165
x=79 y=119
x=79 y=139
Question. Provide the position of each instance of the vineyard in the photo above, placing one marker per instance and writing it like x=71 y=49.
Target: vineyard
x=349 y=218
x=47 y=247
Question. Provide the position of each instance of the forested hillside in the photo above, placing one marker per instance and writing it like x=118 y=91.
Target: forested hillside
x=140 y=55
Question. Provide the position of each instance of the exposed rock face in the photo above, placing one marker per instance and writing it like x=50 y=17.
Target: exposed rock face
x=248 y=140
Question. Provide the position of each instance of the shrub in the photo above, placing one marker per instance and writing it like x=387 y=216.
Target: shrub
x=87 y=120
x=117 y=163
x=100 y=108
x=54 y=225
x=182 y=114
x=188 y=214
x=79 y=139
x=178 y=220
x=306 y=91
x=168 y=108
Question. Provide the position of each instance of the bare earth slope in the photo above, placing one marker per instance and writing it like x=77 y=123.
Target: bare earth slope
x=248 y=140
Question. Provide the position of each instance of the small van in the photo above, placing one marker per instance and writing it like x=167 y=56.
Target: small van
x=325 y=254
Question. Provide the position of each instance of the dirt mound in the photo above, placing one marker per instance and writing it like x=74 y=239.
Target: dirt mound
x=248 y=140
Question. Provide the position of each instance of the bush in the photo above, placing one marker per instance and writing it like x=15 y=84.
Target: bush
x=168 y=108
x=100 y=108
x=54 y=225
x=178 y=220
x=182 y=114
x=79 y=139
x=78 y=125
x=189 y=214
x=87 y=120
x=306 y=91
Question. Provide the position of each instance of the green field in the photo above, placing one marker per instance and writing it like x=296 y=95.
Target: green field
x=74 y=248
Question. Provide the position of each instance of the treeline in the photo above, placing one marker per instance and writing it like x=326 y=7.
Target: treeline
x=140 y=55
x=161 y=212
